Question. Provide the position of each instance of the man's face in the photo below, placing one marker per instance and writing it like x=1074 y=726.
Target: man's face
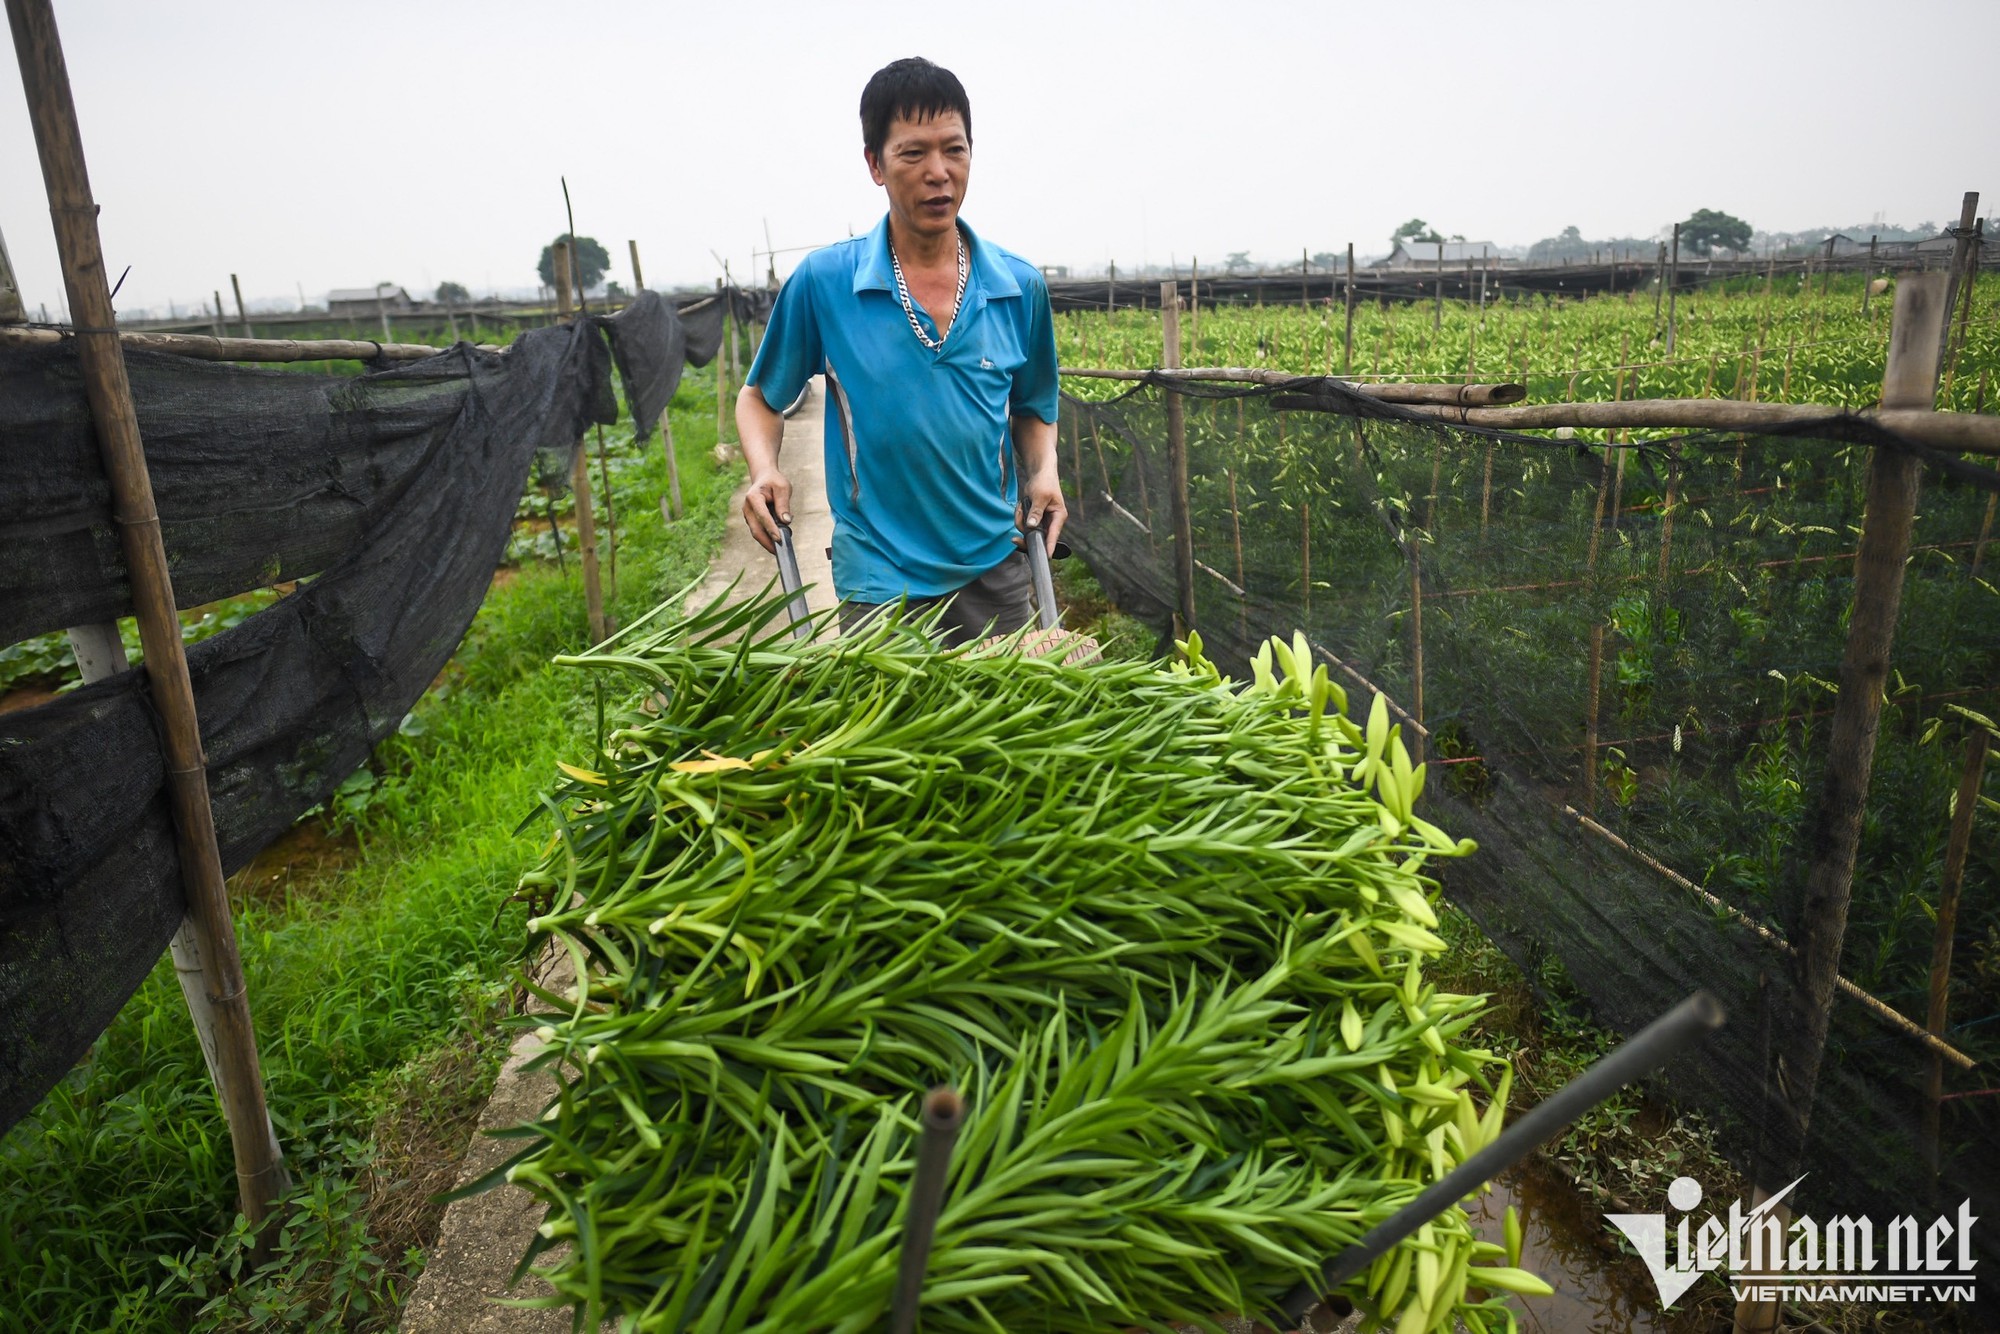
x=924 y=166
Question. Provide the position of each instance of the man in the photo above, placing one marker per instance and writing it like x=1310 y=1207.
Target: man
x=940 y=360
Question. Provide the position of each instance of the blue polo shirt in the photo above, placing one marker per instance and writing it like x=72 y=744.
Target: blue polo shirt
x=919 y=446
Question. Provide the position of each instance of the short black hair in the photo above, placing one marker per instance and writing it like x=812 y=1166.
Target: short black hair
x=914 y=89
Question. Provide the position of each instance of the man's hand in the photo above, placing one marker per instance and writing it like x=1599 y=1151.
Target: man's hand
x=767 y=504
x=1041 y=499
x=1041 y=483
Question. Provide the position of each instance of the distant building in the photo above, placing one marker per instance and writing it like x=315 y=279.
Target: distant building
x=1055 y=270
x=1410 y=254
x=368 y=300
x=1843 y=245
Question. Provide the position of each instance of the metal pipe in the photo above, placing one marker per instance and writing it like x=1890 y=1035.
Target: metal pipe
x=944 y=1112
x=1045 y=584
x=1642 y=1054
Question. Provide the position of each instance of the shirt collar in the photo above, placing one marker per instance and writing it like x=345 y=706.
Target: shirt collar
x=874 y=272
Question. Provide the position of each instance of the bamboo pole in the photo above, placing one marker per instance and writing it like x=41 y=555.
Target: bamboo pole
x=1868 y=279
x=260 y=1168
x=1960 y=432
x=1673 y=278
x=1949 y=884
x=381 y=311
x=11 y=309
x=216 y=321
x=1437 y=305
x=242 y=314
x=1305 y=280
x=1418 y=734
x=579 y=476
x=1347 y=363
x=1804 y=1009
x=1177 y=461
x=1964 y=264
x=1486 y=493
x=203 y=347
x=1592 y=686
x=1194 y=302
x=1667 y=513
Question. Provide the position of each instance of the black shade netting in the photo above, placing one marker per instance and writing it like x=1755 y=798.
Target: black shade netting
x=396 y=489
x=1717 y=571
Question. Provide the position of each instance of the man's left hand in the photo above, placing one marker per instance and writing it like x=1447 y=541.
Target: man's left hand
x=1041 y=497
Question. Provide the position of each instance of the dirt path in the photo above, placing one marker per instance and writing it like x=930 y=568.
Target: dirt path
x=483 y=1237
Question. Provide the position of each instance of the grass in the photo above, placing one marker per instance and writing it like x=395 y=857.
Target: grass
x=375 y=986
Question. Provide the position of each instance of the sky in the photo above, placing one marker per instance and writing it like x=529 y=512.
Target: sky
x=312 y=146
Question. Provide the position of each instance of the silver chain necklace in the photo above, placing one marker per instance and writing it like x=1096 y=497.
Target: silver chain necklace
x=903 y=293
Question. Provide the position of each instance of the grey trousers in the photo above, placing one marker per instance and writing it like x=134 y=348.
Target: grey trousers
x=998 y=602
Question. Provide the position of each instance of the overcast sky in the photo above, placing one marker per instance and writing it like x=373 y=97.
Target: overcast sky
x=337 y=145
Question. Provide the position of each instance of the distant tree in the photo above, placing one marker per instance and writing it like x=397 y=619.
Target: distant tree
x=1416 y=229
x=1708 y=230
x=615 y=290
x=591 y=261
x=1238 y=261
x=452 y=294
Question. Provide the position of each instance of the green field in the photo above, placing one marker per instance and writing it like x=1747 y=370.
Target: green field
x=1791 y=344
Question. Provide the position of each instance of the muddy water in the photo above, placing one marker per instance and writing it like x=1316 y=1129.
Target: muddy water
x=1565 y=1240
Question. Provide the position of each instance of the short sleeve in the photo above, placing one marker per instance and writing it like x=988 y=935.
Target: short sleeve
x=790 y=353
x=1036 y=384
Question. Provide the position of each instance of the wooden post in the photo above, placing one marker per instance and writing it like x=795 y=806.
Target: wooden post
x=242 y=315
x=1485 y=494
x=1833 y=831
x=1177 y=462
x=579 y=475
x=1971 y=235
x=1111 y=289
x=381 y=312
x=1673 y=277
x=1590 y=698
x=1826 y=271
x=260 y=1168
x=722 y=369
x=217 y=321
x=1949 y=883
x=1868 y=278
x=1659 y=282
x=1347 y=365
x=1305 y=279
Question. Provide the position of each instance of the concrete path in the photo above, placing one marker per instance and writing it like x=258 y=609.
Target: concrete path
x=483 y=1237
x=803 y=460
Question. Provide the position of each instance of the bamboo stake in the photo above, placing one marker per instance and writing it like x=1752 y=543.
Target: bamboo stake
x=1964 y=265
x=1894 y=479
x=1673 y=282
x=1437 y=306
x=579 y=478
x=260 y=1168
x=1305 y=280
x=610 y=515
x=1194 y=302
x=1076 y=465
x=1591 y=687
x=670 y=504
x=1306 y=558
x=1347 y=363
x=1667 y=513
x=1418 y=734
x=242 y=314
x=1177 y=461
x=1949 y=884
x=216 y=320
x=1597 y=512
x=1867 y=281
x=381 y=311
